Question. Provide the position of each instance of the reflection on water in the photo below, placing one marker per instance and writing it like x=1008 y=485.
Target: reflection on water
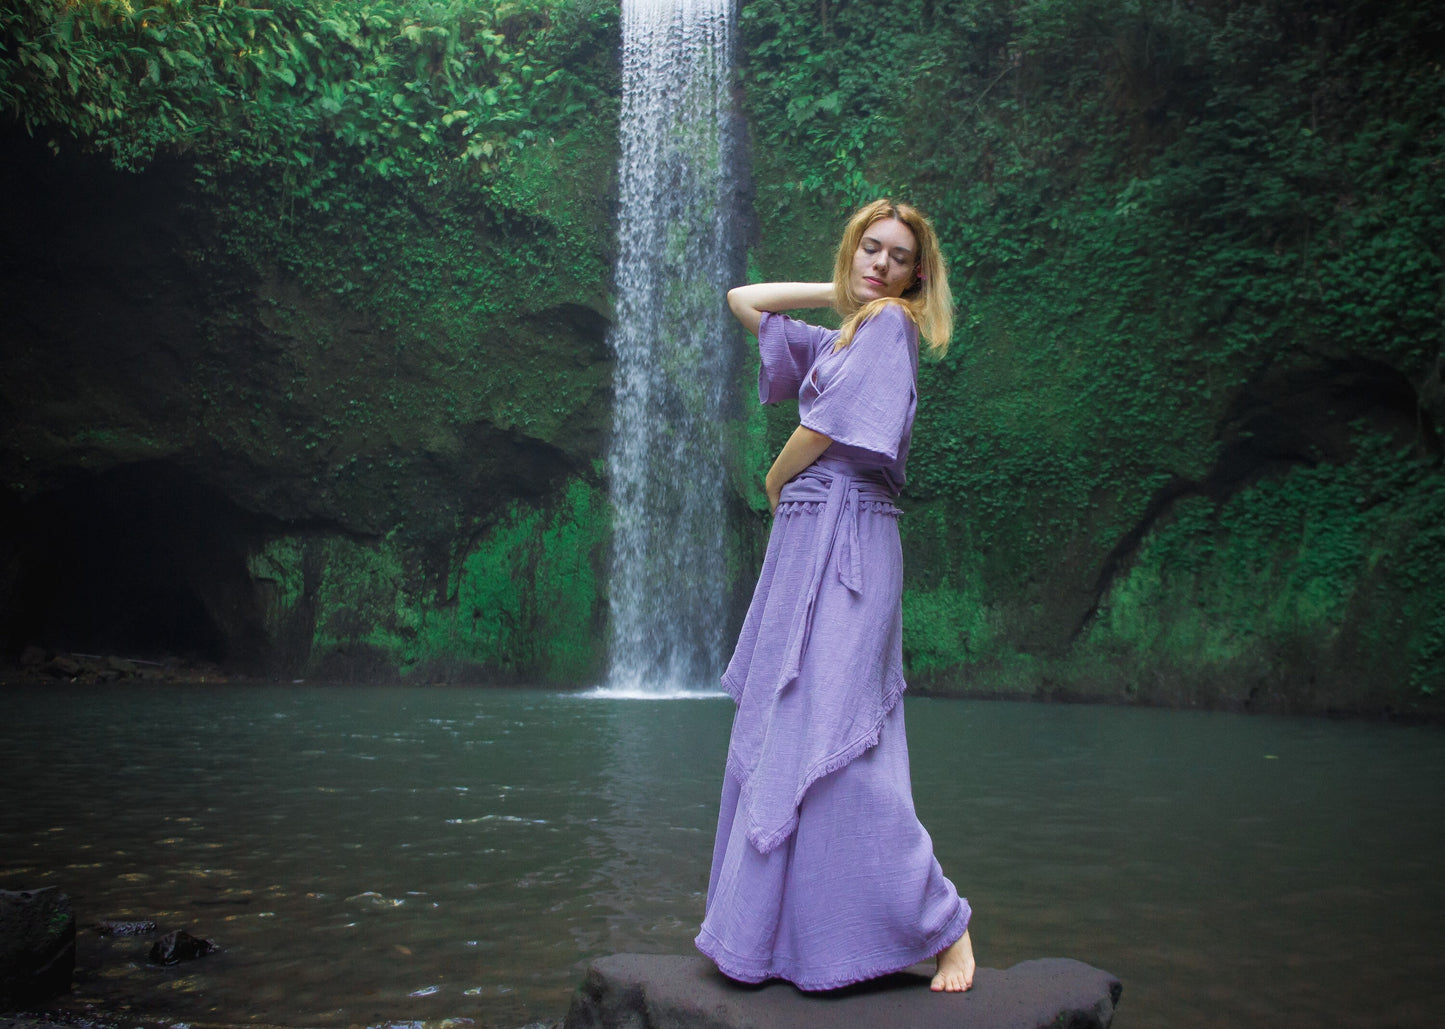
x=376 y=856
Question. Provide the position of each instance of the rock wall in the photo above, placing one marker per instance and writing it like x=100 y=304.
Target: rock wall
x=210 y=456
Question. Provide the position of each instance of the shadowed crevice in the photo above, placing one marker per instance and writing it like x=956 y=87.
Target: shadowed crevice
x=1289 y=417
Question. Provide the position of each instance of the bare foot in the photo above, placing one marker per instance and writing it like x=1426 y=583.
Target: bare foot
x=955 y=967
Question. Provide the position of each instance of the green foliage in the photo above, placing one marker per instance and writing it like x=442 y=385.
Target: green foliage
x=521 y=601
x=403 y=208
x=1154 y=213
x=340 y=140
x=280 y=564
x=315 y=87
x=1341 y=560
x=1159 y=217
x=526 y=600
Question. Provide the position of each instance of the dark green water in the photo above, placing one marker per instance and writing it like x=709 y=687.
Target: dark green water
x=447 y=856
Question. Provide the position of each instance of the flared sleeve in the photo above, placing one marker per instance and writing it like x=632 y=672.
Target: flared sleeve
x=867 y=398
x=788 y=349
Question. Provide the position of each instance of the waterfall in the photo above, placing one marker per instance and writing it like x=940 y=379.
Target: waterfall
x=675 y=346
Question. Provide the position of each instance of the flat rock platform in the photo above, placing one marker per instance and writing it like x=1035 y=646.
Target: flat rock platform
x=656 y=991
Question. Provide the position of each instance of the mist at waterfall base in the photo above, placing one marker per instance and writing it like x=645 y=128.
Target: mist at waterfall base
x=675 y=346
x=428 y=857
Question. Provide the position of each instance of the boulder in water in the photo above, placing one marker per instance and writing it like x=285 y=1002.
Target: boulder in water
x=37 y=945
x=672 y=992
x=179 y=945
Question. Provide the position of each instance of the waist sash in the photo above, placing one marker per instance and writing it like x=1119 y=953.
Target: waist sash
x=788 y=735
x=841 y=496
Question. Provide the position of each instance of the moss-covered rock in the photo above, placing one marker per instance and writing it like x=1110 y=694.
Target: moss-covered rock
x=518 y=602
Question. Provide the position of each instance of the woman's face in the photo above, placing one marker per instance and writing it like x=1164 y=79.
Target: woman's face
x=886 y=261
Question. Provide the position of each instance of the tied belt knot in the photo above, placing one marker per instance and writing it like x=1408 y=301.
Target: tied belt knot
x=842 y=496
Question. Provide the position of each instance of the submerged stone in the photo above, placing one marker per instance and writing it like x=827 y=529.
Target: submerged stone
x=656 y=991
x=126 y=926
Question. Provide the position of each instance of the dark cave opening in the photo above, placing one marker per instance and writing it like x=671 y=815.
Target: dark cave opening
x=143 y=561
x=1312 y=414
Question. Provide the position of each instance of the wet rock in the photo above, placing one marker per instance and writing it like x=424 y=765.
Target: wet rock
x=179 y=945
x=632 y=991
x=37 y=945
x=86 y=668
x=122 y=667
x=126 y=927
x=63 y=666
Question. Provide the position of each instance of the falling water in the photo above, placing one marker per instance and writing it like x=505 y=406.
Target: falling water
x=674 y=345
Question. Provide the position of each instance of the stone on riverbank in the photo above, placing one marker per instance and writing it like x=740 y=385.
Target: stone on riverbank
x=654 y=991
x=37 y=945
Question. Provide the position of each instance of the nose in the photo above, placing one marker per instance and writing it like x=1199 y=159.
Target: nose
x=880 y=260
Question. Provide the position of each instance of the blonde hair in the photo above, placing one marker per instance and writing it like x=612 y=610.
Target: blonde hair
x=926 y=300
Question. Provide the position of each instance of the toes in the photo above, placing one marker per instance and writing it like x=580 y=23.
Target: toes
x=950 y=982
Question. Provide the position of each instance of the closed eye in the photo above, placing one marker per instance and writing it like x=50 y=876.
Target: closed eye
x=900 y=254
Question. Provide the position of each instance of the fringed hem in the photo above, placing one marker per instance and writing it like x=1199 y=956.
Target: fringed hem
x=794 y=508
x=739 y=968
x=733 y=688
x=766 y=842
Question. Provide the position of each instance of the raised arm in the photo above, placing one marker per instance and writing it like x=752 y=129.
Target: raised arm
x=748 y=303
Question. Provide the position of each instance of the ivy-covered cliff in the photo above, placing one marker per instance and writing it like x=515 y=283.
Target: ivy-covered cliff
x=1186 y=447
x=306 y=305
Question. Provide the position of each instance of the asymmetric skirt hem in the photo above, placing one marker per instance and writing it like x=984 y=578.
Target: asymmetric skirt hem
x=743 y=970
x=856 y=892
x=850 y=751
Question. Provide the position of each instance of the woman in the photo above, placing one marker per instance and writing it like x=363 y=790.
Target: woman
x=822 y=874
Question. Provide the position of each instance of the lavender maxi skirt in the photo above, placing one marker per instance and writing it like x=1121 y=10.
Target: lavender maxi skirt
x=850 y=889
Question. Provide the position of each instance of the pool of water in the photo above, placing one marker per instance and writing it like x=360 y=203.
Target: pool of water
x=390 y=856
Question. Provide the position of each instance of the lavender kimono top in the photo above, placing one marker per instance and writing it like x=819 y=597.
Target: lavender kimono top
x=812 y=692
x=863 y=397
